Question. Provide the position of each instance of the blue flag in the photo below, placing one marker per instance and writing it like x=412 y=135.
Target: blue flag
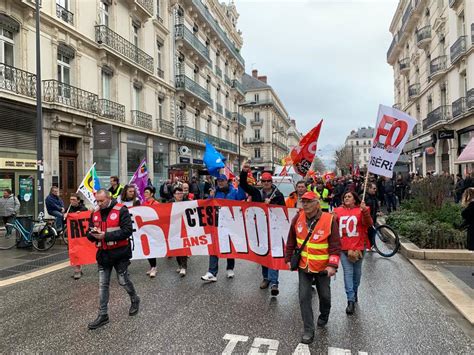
x=213 y=159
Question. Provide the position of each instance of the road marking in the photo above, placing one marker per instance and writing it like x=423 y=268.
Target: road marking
x=34 y=274
x=302 y=349
x=233 y=340
x=259 y=342
x=338 y=351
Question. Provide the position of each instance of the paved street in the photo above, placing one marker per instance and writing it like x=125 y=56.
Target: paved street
x=396 y=313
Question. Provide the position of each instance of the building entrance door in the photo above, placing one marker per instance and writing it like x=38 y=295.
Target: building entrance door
x=67 y=167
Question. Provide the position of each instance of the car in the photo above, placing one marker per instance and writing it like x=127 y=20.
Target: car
x=284 y=184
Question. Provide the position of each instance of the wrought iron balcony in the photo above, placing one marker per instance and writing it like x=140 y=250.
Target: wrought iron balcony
x=219 y=108
x=228 y=114
x=253 y=140
x=281 y=145
x=470 y=99
x=413 y=90
x=119 y=45
x=423 y=36
x=404 y=65
x=453 y=3
x=458 y=49
x=459 y=107
x=238 y=86
x=241 y=118
x=190 y=86
x=257 y=160
x=255 y=122
x=160 y=72
x=221 y=34
x=111 y=110
x=184 y=34
x=392 y=47
x=218 y=71
x=146 y=4
x=439 y=115
x=406 y=16
x=166 y=127
x=227 y=80
x=193 y=135
x=142 y=119
x=61 y=93
x=438 y=65
x=17 y=81
x=64 y=14
x=227 y=145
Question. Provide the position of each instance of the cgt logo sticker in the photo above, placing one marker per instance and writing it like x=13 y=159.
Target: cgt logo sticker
x=390 y=133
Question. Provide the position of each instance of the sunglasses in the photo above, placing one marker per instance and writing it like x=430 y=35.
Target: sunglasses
x=266 y=180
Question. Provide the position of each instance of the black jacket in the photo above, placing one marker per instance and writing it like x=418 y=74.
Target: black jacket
x=468 y=216
x=79 y=208
x=257 y=194
x=372 y=202
x=111 y=257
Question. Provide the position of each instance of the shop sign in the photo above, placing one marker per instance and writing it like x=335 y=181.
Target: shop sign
x=448 y=134
x=184 y=160
x=416 y=155
x=424 y=139
x=198 y=161
x=21 y=164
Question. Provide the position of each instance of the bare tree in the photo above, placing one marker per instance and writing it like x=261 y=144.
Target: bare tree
x=345 y=157
x=318 y=165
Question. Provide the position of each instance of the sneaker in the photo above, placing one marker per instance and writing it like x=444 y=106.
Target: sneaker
x=148 y=272
x=230 y=274
x=102 y=319
x=307 y=338
x=350 y=307
x=182 y=272
x=178 y=270
x=152 y=272
x=209 y=277
x=274 y=290
x=77 y=275
x=322 y=321
x=134 y=307
x=264 y=284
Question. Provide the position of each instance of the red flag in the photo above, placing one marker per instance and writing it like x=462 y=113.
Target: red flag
x=357 y=171
x=228 y=173
x=284 y=172
x=303 y=154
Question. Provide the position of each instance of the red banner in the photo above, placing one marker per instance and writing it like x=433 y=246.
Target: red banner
x=229 y=229
x=303 y=154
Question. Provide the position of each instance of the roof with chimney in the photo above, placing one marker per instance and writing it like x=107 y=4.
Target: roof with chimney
x=364 y=132
x=254 y=82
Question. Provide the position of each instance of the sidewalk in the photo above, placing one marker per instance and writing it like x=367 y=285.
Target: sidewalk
x=15 y=262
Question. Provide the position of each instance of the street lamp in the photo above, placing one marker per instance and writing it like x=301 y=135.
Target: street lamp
x=273 y=159
x=245 y=104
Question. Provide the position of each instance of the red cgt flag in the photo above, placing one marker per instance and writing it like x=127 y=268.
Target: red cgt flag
x=303 y=154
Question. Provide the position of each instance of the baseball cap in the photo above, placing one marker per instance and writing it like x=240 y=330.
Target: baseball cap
x=266 y=176
x=310 y=195
x=222 y=177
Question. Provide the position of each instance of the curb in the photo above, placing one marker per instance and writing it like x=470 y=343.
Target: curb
x=462 y=301
x=34 y=274
x=411 y=251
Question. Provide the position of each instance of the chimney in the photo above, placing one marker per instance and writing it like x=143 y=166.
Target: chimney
x=255 y=73
x=263 y=78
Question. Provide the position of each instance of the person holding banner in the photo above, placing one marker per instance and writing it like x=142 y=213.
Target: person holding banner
x=269 y=194
x=227 y=192
x=149 y=196
x=110 y=228
x=179 y=196
x=319 y=259
x=354 y=220
x=129 y=196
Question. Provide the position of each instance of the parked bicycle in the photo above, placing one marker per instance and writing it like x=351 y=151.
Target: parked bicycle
x=41 y=236
x=387 y=242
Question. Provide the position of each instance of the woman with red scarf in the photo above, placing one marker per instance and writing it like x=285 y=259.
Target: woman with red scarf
x=354 y=221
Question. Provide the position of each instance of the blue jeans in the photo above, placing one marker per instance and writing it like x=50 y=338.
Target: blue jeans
x=352 y=275
x=270 y=275
x=391 y=202
x=214 y=264
x=59 y=219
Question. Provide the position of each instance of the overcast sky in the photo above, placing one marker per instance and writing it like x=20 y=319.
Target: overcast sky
x=325 y=59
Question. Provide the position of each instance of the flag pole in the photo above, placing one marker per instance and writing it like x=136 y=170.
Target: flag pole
x=365 y=184
x=279 y=183
x=69 y=207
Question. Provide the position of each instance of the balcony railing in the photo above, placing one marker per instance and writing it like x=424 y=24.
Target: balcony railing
x=238 y=86
x=160 y=72
x=253 y=140
x=438 y=115
x=184 y=83
x=404 y=64
x=61 y=93
x=452 y=3
x=228 y=114
x=218 y=71
x=413 y=90
x=458 y=49
x=105 y=36
x=193 y=135
x=215 y=26
x=406 y=16
x=470 y=99
x=227 y=80
x=241 y=118
x=182 y=32
x=146 y=4
x=17 y=80
x=257 y=160
x=255 y=122
x=142 y=119
x=392 y=46
x=166 y=127
x=459 y=107
x=281 y=145
x=64 y=14
x=111 y=110
x=438 y=65
x=423 y=34
x=219 y=108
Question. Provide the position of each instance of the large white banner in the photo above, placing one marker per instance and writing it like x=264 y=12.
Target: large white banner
x=391 y=133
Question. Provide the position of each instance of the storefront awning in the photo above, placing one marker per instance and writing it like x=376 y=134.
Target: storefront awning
x=467 y=155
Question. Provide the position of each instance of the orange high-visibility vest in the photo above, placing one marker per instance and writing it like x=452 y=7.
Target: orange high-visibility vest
x=111 y=224
x=315 y=255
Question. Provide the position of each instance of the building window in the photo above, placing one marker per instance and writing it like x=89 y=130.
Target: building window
x=136 y=28
x=64 y=74
x=357 y=142
x=106 y=84
x=6 y=47
x=257 y=98
x=104 y=13
x=257 y=134
x=256 y=115
x=257 y=152
x=158 y=54
x=136 y=98
x=158 y=10
x=160 y=108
